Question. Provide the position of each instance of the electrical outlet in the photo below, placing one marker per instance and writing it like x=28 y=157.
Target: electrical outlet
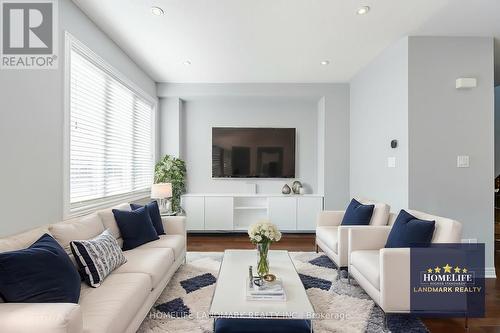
x=469 y=240
x=391 y=162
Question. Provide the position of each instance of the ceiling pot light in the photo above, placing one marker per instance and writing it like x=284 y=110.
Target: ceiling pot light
x=325 y=62
x=157 y=11
x=187 y=63
x=363 y=10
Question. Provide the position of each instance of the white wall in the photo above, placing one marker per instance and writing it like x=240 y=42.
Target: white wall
x=497 y=131
x=200 y=115
x=408 y=93
x=320 y=112
x=379 y=113
x=170 y=115
x=445 y=122
x=31 y=127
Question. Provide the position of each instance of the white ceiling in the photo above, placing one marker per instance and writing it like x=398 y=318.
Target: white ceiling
x=277 y=40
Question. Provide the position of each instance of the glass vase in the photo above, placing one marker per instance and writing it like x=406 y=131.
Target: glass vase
x=262 y=259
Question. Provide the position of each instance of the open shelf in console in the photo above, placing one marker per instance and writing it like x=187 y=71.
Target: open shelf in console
x=248 y=210
x=242 y=203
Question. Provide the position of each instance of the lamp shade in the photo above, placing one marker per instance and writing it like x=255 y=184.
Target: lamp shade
x=161 y=191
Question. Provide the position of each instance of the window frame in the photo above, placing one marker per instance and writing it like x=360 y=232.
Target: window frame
x=70 y=43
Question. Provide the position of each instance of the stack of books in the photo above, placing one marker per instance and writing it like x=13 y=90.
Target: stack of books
x=269 y=291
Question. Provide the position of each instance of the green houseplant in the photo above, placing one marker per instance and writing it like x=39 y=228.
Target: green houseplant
x=171 y=169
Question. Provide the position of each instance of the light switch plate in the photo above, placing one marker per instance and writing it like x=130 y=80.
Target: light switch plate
x=462 y=161
x=391 y=162
x=466 y=83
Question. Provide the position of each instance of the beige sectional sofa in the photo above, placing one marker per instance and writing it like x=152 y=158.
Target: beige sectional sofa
x=125 y=297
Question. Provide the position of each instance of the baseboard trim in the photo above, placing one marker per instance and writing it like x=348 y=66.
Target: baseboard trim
x=489 y=273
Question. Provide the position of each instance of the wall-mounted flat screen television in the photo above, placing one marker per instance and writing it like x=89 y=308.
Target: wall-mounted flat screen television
x=253 y=152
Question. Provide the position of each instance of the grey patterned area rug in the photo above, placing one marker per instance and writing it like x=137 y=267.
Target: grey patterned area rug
x=183 y=306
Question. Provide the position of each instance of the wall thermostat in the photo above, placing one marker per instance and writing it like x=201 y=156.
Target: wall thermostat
x=394 y=143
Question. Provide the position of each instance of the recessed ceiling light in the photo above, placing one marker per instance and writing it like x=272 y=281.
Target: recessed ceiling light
x=325 y=62
x=363 y=10
x=187 y=63
x=157 y=11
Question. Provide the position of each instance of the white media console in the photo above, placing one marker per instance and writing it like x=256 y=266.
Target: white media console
x=235 y=212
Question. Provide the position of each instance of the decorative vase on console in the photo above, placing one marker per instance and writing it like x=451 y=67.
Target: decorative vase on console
x=263 y=234
x=296 y=187
x=286 y=189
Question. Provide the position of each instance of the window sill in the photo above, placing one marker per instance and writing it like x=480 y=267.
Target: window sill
x=85 y=208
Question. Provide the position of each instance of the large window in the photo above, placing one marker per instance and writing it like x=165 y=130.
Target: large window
x=110 y=134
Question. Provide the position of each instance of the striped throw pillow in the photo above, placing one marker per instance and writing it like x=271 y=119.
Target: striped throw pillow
x=97 y=257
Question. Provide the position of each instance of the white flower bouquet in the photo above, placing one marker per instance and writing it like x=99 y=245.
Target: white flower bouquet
x=263 y=234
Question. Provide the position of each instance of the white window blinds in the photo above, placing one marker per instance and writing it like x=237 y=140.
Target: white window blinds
x=111 y=136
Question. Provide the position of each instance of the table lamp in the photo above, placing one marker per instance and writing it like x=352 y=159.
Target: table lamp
x=162 y=192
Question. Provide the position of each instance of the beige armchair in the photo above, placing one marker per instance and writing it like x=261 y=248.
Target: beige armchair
x=385 y=273
x=332 y=237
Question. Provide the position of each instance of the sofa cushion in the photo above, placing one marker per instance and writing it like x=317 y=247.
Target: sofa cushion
x=111 y=307
x=85 y=227
x=154 y=214
x=175 y=242
x=367 y=262
x=41 y=273
x=381 y=211
x=357 y=213
x=153 y=262
x=408 y=231
x=446 y=230
x=329 y=236
x=108 y=219
x=23 y=239
x=97 y=257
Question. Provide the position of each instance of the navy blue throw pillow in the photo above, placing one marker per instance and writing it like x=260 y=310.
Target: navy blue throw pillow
x=135 y=226
x=408 y=231
x=154 y=214
x=357 y=213
x=42 y=273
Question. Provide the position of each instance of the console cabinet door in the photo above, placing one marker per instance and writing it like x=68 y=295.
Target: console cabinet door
x=307 y=212
x=283 y=212
x=195 y=212
x=218 y=213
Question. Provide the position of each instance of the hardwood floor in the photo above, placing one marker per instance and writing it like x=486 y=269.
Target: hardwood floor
x=305 y=242
x=221 y=242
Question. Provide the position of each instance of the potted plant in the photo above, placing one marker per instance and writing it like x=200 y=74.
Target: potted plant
x=263 y=234
x=172 y=170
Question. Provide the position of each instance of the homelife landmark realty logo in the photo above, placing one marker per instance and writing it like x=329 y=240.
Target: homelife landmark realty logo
x=28 y=34
x=448 y=280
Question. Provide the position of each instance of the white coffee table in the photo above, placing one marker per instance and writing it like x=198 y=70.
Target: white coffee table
x=229 y=299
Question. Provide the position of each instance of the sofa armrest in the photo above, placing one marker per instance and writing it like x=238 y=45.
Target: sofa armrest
x=330 y=218
x=395 y=279
x=40 y=318
x=372 y=238
x=174 y=225
x=343 y=241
